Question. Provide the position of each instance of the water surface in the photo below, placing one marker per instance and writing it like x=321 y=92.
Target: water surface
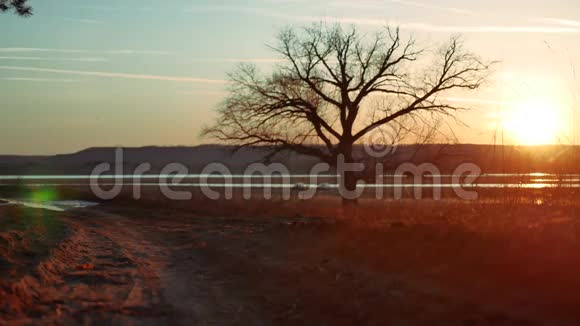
x=325 y=181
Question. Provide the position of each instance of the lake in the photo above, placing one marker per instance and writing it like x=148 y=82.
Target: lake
x=327 y=181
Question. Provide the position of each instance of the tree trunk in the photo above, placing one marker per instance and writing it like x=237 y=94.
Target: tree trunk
x=350 y=181
x=350 y=177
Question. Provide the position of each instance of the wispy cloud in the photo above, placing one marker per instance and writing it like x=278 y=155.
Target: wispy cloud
x=488 y=28
x=416 y=26
x=34 y=79
x=203 y=92
x=472 y=100
x=41 y=50
x=431 y=6
x=370 y=4
x=17 y=58
x=104 y=74
x=85 y=20
x=107 y=52
x=276 y=14
x=100 y=8
x=131 y=52
x=255 y=60
x=563 y=22
x=115 y=8
x=241 y=60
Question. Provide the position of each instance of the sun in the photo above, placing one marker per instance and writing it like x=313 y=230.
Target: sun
x=534 y=122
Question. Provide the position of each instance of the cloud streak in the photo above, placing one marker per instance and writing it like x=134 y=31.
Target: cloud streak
x=488 y=28
x=84 y=20
x=104 y=74
x=34 y=79
x=18 y=58
x=416 y=26
x=474 y=100
x=115 y=8
x=377 y=4
x=201 y=92
x=563 y=22
x=242 y=60
x=130 y=52
x=431 y=6
x=41 y=50
x=108 y=52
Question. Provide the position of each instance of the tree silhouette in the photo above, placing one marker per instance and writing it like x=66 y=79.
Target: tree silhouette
x=322 y=100
x=20 y=7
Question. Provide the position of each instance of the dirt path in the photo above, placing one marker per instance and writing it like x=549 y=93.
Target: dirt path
x=109 y=271
x=232 y=271
x=177 y=280
x=94 y=275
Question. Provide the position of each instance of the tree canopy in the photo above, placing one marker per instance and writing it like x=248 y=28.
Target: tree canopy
x=20 y=7
x=335 y=86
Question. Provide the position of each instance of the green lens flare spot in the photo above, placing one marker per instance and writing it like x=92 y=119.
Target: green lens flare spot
x=44 y=195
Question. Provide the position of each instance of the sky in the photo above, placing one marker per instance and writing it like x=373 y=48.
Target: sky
x=86 y=73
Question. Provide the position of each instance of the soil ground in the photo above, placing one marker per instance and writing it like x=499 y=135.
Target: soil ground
x=122 y=263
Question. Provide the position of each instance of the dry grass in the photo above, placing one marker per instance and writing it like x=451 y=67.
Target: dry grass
x=506 y=242
x=499 y=211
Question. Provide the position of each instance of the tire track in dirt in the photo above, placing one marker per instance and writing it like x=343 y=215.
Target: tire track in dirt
x=103 y=272
x=126 y=270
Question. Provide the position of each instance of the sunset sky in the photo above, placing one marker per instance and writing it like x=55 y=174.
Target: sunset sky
x=84 y=73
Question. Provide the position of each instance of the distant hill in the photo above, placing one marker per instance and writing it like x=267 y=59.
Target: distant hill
x=194 y=158
x=490 y=158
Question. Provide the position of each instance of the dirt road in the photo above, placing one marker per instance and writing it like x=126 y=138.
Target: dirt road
x=119 y=270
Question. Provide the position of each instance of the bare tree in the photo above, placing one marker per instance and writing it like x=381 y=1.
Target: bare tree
x=318 y=101
x=20 y=7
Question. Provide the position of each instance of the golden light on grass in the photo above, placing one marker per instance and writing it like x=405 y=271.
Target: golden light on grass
x=535 y=122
